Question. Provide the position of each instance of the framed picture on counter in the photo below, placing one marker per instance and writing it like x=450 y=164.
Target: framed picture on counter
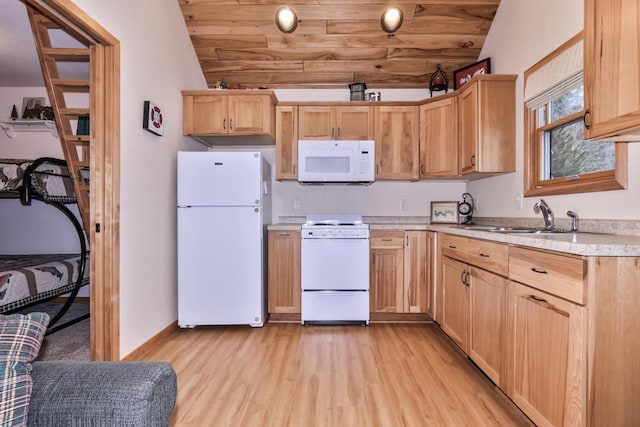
x=444 y=212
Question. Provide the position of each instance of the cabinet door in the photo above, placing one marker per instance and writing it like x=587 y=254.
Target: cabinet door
x=386 y=290
x=205 y=115
x=397 y=143
x=487 y=323
x=455 y=301
x=316 y=122
x=250 y=115
x=286 y=142
x=546 y=357
x=355 y=123
x=416 y=272
x=611 y=68
x=468 y=112
x=284 y=272
x=439 y=138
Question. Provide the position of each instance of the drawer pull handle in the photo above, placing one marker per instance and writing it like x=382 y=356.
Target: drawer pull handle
x=452 y=247
x=485 y=255
x=535 y=270
x=386 y=240
x=535 y=298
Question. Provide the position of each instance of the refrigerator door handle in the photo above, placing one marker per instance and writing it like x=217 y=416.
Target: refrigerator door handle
x=266 y=187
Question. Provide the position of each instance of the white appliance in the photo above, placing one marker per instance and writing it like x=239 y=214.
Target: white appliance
x=336 y=161
x=335 y=269
x=223 y=209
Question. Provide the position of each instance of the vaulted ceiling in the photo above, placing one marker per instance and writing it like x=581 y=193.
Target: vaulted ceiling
x=336 y=43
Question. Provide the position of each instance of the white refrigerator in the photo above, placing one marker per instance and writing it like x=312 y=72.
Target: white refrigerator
x=224 y=206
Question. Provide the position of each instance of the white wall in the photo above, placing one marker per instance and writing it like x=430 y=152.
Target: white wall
x=522 y=34
x=157 y=62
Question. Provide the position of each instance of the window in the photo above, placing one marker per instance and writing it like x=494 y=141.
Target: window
x=557 y=159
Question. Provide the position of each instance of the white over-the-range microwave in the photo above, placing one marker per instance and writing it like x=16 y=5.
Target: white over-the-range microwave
x=343 y=162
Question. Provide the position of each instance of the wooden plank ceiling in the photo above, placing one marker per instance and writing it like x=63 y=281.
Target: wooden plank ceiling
x=336 y=43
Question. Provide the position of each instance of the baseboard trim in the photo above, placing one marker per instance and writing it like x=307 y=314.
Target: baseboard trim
x=161 y=337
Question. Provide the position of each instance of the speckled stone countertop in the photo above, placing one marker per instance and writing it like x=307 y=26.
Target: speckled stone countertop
x=589 y=243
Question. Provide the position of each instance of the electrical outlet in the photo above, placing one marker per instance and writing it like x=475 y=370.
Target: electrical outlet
x=519 y=201
x=296 y=204
x=404 y=204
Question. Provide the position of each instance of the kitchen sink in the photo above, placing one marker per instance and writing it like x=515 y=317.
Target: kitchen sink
x=522 y=230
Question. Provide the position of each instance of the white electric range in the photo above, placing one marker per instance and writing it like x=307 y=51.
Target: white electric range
x=335 y=269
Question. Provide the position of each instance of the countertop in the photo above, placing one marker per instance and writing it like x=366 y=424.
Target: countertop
x=585 y=244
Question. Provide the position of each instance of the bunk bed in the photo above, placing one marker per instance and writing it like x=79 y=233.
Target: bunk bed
x=26 y=280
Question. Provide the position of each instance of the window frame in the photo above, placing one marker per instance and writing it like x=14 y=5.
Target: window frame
x=534 y=184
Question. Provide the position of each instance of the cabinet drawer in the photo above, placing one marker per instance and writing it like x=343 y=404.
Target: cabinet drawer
x=557 y=274
x=454 y=246
x=387 y=239
x=488 y=255
x=481 y=253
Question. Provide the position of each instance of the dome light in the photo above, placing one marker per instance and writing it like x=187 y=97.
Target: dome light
x=391 y=19
x=286 y=20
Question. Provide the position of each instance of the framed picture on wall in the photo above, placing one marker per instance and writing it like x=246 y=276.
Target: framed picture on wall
x=444 y=212
x=464 y=74
x=153 y=120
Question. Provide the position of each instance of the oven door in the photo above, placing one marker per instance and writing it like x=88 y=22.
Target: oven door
x=335 y=264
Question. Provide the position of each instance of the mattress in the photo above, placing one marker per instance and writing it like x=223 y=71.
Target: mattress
x=26 y=279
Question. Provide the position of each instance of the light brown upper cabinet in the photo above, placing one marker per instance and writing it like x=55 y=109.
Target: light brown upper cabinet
x=286 y=142
x=611 y=70
x=212 y=113
x=486 y=117
x=439 y=138
x=336 y=122
x=397 y=142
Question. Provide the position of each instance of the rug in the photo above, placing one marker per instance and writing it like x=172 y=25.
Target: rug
x=71 y=343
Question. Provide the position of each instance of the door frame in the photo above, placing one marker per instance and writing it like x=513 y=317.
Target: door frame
x=104 y=233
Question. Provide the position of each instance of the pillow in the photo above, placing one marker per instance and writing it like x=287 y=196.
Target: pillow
x=20 y=338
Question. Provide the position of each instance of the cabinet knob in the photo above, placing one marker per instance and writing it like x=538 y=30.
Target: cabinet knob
x=535 y=270
x=485 y=255
x=230 y=123
x=473 y=160
x=224 y=124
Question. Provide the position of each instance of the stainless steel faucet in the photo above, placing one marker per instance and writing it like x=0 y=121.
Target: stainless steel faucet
x=547 y=214
x=574 y=220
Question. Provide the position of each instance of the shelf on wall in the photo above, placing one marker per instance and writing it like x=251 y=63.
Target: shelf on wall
x=10 y=127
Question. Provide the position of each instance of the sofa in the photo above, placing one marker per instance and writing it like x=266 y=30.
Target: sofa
x=63 y=393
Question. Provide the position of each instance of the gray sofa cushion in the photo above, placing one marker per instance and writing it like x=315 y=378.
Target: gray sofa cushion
x=92 y=394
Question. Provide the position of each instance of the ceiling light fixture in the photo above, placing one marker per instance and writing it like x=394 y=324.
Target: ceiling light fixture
x=286 y=20
x=391 y=19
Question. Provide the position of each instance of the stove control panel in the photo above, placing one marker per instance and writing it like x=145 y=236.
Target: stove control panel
x=335 y=232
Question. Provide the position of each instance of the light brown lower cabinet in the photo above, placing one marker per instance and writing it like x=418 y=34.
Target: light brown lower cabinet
x=284 y=275
x=399 y=272
x=487 y=323
x=546 y=356
x=473 y=307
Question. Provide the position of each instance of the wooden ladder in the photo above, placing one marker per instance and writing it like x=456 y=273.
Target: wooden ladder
x=75 y=147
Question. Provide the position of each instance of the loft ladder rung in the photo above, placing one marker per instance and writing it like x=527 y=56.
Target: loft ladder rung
x=74 y=112
x=71 y=85
x=76 y=139
x=67 y=54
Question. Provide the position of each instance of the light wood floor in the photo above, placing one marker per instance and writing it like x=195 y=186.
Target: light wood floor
x=383 y=375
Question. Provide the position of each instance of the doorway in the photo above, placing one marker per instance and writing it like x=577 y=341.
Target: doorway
x=103 y=231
